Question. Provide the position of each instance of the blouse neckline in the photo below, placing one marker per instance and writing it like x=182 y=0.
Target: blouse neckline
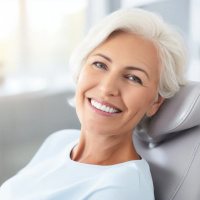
x=76 y=163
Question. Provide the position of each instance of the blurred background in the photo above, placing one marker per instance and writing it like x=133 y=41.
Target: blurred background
x=36 y=39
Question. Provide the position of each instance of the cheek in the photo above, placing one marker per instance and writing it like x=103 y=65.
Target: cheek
x=79 y=95
x=87 y=81
x=138 y=100
x=85 y=78
x=84 y=84
x=78 y=103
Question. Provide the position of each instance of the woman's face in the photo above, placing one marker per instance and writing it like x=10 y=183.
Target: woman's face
x=118 y=85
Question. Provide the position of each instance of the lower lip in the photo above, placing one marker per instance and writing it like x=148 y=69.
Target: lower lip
x=101 y=112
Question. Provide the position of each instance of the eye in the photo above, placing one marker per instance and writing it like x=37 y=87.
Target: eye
x=100 y=65
x=134 y=78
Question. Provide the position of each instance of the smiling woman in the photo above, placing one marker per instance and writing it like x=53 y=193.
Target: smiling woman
x=125 y=68
x=110 y=80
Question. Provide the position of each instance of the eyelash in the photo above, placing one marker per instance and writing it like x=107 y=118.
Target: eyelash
x=96 y=64
x=132 y=78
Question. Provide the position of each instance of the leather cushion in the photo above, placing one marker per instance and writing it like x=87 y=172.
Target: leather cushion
x=179 y=113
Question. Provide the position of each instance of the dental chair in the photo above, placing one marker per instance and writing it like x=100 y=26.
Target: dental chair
x=170 y=142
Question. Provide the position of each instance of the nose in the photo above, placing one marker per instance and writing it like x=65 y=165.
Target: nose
x=109 y=85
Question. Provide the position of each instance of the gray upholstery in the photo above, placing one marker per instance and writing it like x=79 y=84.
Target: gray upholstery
x=174 y=157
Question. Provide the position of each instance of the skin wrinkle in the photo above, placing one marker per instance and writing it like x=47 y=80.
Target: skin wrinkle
x=108 y=140
x=128 y=67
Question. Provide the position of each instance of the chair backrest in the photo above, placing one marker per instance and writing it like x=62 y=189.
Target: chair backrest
x=170 y=142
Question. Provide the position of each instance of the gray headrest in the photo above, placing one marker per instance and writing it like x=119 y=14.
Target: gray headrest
x=179 y=113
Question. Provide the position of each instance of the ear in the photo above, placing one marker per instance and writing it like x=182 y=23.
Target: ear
x=156 y=105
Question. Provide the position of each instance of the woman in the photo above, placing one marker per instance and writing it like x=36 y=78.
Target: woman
x=125 y=68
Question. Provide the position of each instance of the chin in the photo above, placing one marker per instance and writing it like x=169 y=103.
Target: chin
x=99 y=129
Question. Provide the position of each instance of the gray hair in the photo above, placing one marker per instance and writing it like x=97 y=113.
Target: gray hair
x=169 y=42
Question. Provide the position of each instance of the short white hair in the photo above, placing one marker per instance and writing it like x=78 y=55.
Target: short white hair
x=149 y=25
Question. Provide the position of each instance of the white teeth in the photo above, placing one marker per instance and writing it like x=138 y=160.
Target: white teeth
x=103 y=107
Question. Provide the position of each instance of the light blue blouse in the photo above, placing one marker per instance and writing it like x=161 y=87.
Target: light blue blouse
x=52 y=175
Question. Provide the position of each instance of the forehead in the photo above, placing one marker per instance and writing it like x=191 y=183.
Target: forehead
x=130 y=49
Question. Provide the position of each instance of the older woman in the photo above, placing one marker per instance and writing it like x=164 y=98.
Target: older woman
x=125 y=68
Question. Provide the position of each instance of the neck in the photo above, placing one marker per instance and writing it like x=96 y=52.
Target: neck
x=104 y=150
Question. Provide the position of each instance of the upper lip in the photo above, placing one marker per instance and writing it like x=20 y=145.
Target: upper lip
x=106 y=104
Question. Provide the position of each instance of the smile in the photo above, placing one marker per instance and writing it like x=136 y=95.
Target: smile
x=103 y=107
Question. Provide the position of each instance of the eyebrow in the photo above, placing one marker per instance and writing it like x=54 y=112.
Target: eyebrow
x=105 y=57
x=127 y=68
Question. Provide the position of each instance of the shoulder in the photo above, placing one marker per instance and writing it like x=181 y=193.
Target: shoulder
x=60 y=139
x=63 y=137
x=129 y=181
x=54 y=144
x=136 y=172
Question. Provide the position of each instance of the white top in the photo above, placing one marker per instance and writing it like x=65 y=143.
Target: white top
x=52 y=175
